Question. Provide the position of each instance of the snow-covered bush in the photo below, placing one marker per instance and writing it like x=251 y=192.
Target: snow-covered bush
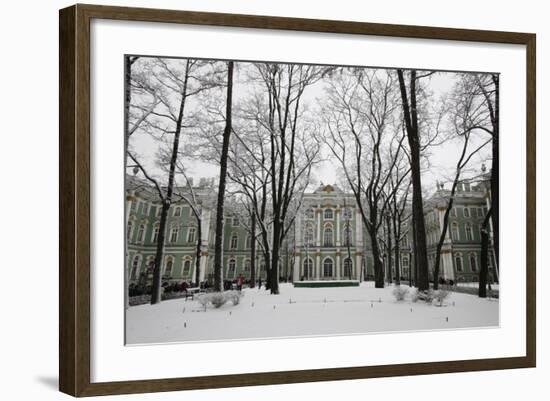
x=203 y=300
x=414 y=294
x=217 y=299
x=400 y=292
x=234 y=296
x=440 y=296
x=426 y=296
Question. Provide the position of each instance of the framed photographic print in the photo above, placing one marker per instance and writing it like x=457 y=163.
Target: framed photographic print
x=250 y=200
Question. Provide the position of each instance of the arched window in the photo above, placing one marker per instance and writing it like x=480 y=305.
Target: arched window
x=308 y=268
x=347 y=235
x=248 y=241
x=348 y=268
x=329 y=214
x=231 y=267
x=458 y=263
x=141 y=233
x=168 y=267
x=191 y=234
x=454 y=231
x=135 y=267
x=247 y=265
x=327 y=268
x=177 y=211
x=234 y=241
x=327 y=236
x=466 y=212
x=186 y=267
x=469 y=235
x=473 y=262
x=151 y=265
x=155 y=236
x=174 y=234
x=129 y=228
x=310 y=213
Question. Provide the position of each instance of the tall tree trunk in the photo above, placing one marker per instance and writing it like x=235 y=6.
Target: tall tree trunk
x=218 y=247
x=274 y=271
x=198 y=253
x=414 y=267
x=397 y=255
x=253 y=251
x=166 y=202
x=484 y=269
x=411 y=123
x=388 y=247
x=495 y=174
x=377 y=261
x=443 y=232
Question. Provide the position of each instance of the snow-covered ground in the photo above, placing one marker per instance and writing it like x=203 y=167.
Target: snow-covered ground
x=304 y=312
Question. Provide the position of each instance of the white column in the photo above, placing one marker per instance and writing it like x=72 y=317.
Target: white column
x=338 y=266
x=203 y=266
x=297 y=264
x=447 y=261
x=358 y=267
x=317 y=266
x=337 y=211
x=318 y=240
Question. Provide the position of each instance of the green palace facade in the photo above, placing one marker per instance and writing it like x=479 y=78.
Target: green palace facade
x=327 y=242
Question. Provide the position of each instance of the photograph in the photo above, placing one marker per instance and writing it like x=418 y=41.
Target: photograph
x=268 y=199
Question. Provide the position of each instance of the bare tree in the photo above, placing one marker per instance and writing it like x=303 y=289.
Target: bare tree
x=489 y=85
x=361 y=123
x=409 y=97
x=289 y=159
x=218 y=246
x=484 y=270
x=175 y=82
x=466 y=117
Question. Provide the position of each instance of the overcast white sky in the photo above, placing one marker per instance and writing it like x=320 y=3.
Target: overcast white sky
x=442 y=159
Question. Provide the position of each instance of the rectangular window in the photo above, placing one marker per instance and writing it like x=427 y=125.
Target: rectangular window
x=234 y=242
x=174 y=234
x=466 y=212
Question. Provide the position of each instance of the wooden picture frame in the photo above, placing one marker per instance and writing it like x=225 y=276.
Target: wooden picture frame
x=75 y=207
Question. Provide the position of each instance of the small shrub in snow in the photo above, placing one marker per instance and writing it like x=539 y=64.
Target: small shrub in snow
x=440 y=296
x=426 y=296
x=400 y=292
x=218 y=299
x=414 y=294
x=234 y=296
x=203 y=300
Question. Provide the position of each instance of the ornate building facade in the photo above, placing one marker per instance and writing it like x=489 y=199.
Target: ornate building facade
x=328 y=240
x=329 y=237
